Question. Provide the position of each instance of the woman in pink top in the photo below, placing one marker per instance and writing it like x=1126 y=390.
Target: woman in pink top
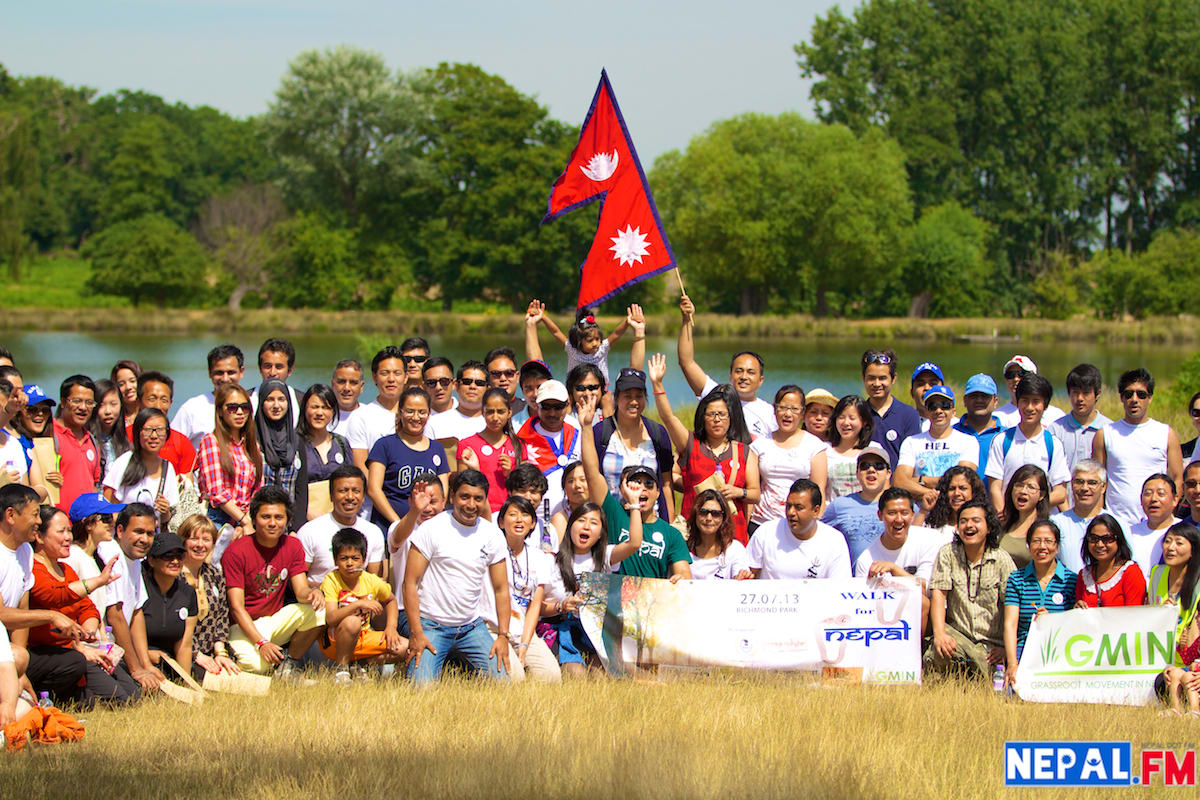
x=495 y=450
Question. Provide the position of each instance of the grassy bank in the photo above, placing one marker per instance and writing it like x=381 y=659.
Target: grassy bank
x=743 y=735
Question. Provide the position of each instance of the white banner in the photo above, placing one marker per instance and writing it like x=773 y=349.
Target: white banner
x=1097 y=655
x=849 y=630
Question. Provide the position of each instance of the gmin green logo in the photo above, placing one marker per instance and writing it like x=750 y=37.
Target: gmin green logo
x=1110 y=654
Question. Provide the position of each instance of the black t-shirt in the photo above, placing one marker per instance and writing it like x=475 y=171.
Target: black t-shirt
x=166 y=615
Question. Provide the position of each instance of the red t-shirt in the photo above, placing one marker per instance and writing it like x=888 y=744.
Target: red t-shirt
x=262 y=573
x=1126 y=588
x=50 y=592
x=79 y=463
x=489 y=465
x=177 y=450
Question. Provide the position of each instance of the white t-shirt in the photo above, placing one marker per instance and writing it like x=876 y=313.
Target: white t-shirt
x=16 y=573
x=778 y=469
x=556 y=590
x=916 y=555
x=779 y=554
x=145 y=490
x=1009 y=416
x=196 y=417
x=724 y=567
x=316 y=536
x=929 y=456
x=368 y=424
x=128 y=589
x=12 y=455
x=1146 y=544
x=454 y=424
x=342 y=426
x=85 y=567
x=459 y=558
x=759 y=414
x=526 y=572
x=1026 y=451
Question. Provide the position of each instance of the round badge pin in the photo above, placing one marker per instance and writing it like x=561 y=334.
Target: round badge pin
x=1057 y=598
x=891 y=436
x=486 y=449
x=563 y=460
x=437 y=461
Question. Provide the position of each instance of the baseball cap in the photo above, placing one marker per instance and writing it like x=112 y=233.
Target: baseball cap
x=928 y=366
x=938 y=391
x=552 y=390
x=630 y=378
x=873 y=449
x=638 y=470
x=533 y=367
x=164 y=543
x=85 y=505
x=36 y=395
x=979 y=383
x=1024 y=362
x=822 y=396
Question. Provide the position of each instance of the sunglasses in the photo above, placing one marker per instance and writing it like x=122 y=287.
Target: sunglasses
x=1013 y=374
x=414 y=359
x=939 y=405
x=1141 y=394
x=105 y=518
x=879 y=358
x=442 y=382
x=641 y=480
x=1195 y=412
x=472 y=381
x=1106 y=538
x=877 y=466
x=595 y=387
x=552 y=407
x=236 y=407
x=709 y=512
x=502 y=373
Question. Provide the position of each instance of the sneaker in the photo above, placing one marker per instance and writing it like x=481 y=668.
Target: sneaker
x=362 y=675
x=288 y=669
x=342 y=678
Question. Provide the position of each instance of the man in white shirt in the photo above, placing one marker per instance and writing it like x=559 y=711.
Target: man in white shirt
x=1088 y=482
x=799 y=546
x=1076 y=431
x=277 y=359
x=1135 y=447
x=376 y=419
x=133 y=535
x=925 y=457
x=1028 y=443
x=465 y=419
x=347 y=489
x=448 y=560
x=347 y=384
x=197 y=416
x=747 y=371
x=1016 y=368
x=904 y=549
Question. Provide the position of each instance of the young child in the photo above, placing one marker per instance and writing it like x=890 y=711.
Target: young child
x=584 y=342
x=352 y=597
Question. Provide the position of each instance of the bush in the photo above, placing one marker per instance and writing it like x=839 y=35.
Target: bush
x=147 y=258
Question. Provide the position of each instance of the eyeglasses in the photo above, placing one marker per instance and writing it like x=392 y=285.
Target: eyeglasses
x=79 y=402
x=709 y=512
x=1141 y=394
x=155 y=431
x=587 y=387
x=868 y=466
x=234 y=408
x=436 y=382
x=939 y=405
x=414 y=359
x=1106 y=538
x=552 y=407
x=472 y=382
x=1043 y=543
x=716 y=415
x=789 y=409
x=416 y=413
x=878 y=358
x=1090 y=483
x=502 y=373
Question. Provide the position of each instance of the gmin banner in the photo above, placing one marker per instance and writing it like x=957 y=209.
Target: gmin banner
x=850 y=630
x=1097 y=655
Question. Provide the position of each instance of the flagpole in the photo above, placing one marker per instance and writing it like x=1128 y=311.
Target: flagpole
x=679 y=278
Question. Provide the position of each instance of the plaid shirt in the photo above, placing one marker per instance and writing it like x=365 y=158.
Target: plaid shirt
x=974 y=592
x=218 y=487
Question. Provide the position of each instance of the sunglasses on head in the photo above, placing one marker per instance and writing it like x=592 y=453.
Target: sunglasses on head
x=472 y=381
x=1105 y=538
x=1141 y=394
x=939 y=405
x=879 y=358
x=442 y=382
x=243 y=407
x=414 y=359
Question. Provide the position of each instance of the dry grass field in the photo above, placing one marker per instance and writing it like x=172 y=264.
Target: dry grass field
x=724 y=735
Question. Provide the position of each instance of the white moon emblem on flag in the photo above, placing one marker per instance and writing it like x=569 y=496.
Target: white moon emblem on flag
x=629 y=245
x=601 y=166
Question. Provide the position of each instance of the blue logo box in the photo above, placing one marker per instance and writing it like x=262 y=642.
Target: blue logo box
x=1068 y=764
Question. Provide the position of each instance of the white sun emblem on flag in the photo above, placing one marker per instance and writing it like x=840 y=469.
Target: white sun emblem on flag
x=629 y=245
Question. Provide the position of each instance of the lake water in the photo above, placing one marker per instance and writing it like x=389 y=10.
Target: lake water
x=47 y=358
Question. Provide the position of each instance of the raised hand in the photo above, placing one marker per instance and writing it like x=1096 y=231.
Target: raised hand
x=657 y=368
x=636 y=319
x=535 y=313
x=687 y=308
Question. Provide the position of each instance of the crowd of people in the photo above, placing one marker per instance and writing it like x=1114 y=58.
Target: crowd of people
x=273 y=529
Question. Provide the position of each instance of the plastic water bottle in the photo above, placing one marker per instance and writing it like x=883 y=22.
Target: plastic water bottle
x=998 y=678
x=44 y=700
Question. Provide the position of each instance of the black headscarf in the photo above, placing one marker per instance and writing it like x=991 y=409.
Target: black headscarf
x=276 y=438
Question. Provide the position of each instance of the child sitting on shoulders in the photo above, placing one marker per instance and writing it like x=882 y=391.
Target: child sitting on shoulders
x=352 y=597
x=584 y=341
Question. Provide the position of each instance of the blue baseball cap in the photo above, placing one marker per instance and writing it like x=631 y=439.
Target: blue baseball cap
x=92 y=503
x=36 y=395
x=928 y=366
x=938 y=391
x=980 y=383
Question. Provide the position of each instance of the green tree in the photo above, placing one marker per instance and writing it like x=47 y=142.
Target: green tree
x=142 y=176
x=947 y=270
x=237 y=227
x=147 y=258
x=344 y=129
x=313 y=265
x=782 y=213
x=17 y=174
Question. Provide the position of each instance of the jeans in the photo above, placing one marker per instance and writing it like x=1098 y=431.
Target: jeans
x=471 y=641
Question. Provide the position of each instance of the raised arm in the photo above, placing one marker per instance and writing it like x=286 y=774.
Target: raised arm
x=619 y=331
x=558 y=335
x=533 y=315
x=624 y=550
x=675 y=429
x=687 y=349
x=597 y=485
x=637 y=321
x=400 y=530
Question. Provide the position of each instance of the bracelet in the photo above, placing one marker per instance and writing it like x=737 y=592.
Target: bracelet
x=522 y=644
x=664 y=391
x=86 y=590
x=259 y=643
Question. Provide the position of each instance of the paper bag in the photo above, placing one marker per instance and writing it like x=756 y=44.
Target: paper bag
x=46 y=457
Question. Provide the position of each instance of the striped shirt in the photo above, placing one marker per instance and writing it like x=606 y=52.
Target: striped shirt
x=1025 y=591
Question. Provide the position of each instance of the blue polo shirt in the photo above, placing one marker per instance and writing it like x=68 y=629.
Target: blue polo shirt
x=898 y=423
x=1075 y=437
x=1025 y=592
x=985 y=443
x=856 y=519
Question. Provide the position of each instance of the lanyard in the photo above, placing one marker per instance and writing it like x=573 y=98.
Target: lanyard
x=519 y=590
x=560 y=451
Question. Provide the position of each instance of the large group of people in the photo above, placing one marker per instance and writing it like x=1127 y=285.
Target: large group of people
x=273 y=529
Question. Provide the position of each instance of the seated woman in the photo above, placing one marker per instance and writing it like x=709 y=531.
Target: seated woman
x=91 y=523
x=1110 y=576
x=1026 y=498
x=715 y=553
x=171 y=607
x=1042 y=586
x=210 y=651
x=56 y=663
x=321 y=450
x=142 y=475
x=1177 y=582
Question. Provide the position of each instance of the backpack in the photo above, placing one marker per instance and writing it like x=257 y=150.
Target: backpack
x=1011 y=434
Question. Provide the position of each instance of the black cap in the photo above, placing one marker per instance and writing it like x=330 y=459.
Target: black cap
x=630 y=378
x=533 y=368
x=164 y=543
x=638 y=471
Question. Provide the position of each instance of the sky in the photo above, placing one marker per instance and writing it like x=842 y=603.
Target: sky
x=675 y=67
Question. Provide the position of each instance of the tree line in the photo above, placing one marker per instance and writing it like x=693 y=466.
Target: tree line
x=967 y=158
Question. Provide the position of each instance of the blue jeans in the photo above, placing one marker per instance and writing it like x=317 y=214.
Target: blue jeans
x=471 y=641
